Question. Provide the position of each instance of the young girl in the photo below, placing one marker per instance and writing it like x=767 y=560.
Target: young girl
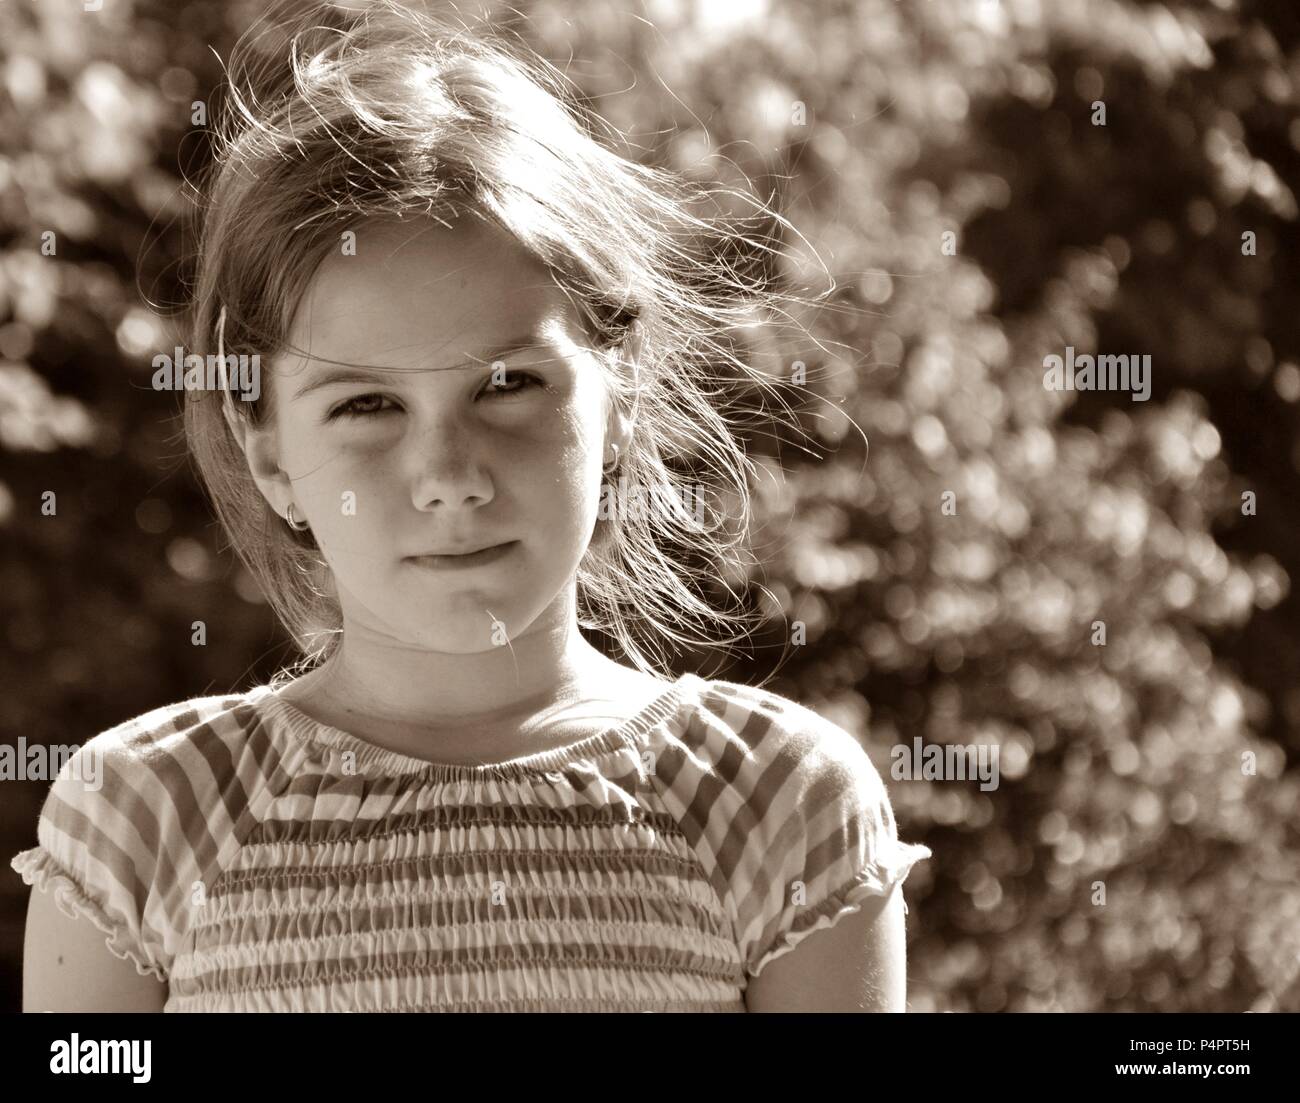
x=470 y=319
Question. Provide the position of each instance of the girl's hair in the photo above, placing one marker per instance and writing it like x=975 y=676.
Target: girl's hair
x=396 y=114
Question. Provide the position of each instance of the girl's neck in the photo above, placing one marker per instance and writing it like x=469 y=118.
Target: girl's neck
x=421 y=690
x=590 y=694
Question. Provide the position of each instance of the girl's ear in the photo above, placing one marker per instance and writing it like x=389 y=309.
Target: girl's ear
x=630 y=346
x=261 y=452
x=622 y=422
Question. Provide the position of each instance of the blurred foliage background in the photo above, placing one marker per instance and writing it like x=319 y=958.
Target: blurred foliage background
x=1120 y=763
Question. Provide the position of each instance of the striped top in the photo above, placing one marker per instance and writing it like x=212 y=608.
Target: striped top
x=257 y=860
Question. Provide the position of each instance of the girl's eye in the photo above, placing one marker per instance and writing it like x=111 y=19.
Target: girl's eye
x=357 y=407
x=364 y=405
x=525 y=379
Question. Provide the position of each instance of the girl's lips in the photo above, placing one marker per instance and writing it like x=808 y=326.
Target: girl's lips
x=473 y=559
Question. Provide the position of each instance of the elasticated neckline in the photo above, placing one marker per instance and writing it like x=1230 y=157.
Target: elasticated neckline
x=283 y=715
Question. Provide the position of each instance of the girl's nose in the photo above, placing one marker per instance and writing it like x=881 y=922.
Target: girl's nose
x=447 y=472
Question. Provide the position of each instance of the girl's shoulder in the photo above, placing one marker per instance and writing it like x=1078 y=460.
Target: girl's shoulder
x=166 y=728
x=184 y=746
x=140 y=815
x=786 y=811
x=167 y=767
x=757 y=729
x=207 y=705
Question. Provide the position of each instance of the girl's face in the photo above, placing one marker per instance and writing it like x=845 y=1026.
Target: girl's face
x=391 y=466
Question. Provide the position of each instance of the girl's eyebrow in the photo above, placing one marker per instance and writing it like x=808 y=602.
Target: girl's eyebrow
x=328 y=377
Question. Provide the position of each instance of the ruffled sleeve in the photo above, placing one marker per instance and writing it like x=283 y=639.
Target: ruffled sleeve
x=795 y=818
x=828 y=842
x=94 y=852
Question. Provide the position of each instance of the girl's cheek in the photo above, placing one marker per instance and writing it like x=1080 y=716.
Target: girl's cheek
x=531 y=442
x=364 y=449
x=330 y=447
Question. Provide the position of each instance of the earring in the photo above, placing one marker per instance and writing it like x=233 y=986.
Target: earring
x=303 y=527
x=608 y=468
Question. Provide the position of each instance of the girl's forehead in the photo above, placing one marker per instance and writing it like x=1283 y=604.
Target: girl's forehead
x=425 y=284
x=427 y=261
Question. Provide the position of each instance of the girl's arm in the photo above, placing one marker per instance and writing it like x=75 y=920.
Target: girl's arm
x=858 y=964
x=68 y=967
